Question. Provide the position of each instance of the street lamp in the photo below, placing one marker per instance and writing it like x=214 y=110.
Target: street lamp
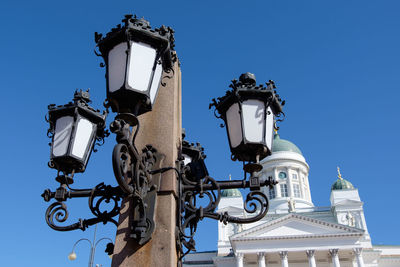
x=74 y=128
x=93 y=244
x=248 y=112
x=136 y=57
x=193 y=159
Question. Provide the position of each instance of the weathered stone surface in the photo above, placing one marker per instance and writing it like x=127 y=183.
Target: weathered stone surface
x=162 y=129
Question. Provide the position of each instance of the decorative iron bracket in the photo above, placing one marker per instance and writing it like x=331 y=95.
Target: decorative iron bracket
x=192 y=188
x=134 y=174
x=101 y=193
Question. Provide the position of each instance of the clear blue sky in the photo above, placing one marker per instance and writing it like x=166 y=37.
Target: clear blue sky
x=336 y=63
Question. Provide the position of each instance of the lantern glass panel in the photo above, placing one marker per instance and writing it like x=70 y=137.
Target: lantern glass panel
x=83 y=138
x=269 y=128
x=234 y=125
x=116 y=67
x=253 y=120
x=140 y=66
x=186 y=159
x=62 y=135
x=156 y=82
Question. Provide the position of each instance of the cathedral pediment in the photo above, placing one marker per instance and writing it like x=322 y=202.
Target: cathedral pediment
x=294 y=226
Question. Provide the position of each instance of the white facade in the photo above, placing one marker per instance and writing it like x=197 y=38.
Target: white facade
x=296 y=233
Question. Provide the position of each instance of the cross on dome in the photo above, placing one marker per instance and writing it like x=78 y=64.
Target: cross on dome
x=339 y=174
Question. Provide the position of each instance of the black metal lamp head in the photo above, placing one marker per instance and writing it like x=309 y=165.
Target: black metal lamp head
x=109 y=249
x=74 y=128
x=193 y=159
x=135 y=56
x=249 y=112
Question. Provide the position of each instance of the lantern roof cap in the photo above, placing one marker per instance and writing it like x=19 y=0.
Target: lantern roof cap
x=81 y=102
x=247 y=88
x=284 y=145
x=134 y=27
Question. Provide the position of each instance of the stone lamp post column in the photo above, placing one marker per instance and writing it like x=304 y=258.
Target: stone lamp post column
x=161 y=128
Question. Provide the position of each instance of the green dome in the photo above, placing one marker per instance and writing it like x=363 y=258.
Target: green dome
x=284 y=145
x=342 y=184
x=231 y=193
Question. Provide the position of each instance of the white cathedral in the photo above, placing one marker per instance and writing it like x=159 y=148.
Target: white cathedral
x=295 y=232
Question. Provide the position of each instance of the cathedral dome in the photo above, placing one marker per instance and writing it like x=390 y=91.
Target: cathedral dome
x=284 y=145
x=342 y=184
x=231 y=193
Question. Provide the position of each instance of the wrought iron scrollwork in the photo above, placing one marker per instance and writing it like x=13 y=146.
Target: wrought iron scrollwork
x=105 y=193
x=134 y=174
x=57 y=212
x=171 y=70
x=209 y=190
x=199 y=197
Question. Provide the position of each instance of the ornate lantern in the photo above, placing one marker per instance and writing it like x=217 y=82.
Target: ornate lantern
x=248 y=112
x=135 y=57
x=193 y=159
x=74 y=128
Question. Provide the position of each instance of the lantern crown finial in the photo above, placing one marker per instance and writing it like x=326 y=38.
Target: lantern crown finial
x=133 y=19
x=141 y=22
x=248 y=79
x=82 y=96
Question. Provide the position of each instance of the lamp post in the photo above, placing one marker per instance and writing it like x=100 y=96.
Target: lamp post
x=93 y=245
x=160 y=183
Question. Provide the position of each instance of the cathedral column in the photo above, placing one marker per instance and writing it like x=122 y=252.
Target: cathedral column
x=360 y=260
x=335 y=257
x=311 y=258
x=289 y=183
x=239 y=259
x=277 y=187
x=284 y=258
x=301 y=184
x=261 y=259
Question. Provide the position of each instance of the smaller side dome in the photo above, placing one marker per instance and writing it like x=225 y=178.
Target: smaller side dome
x=284 y=145
x=231 y=193
x=341 y=184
